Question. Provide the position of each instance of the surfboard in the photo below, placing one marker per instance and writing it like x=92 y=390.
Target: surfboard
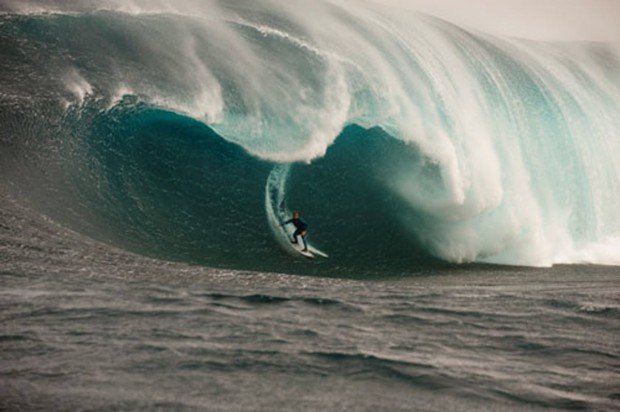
x=312 y=251
x=299 y=248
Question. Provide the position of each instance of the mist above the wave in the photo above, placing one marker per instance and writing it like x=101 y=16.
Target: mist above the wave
x=547 y=20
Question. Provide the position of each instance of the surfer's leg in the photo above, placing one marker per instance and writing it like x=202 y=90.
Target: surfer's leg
x=297 y=233
x=303 y=237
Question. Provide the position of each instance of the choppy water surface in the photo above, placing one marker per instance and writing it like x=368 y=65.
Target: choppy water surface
x=88 y=327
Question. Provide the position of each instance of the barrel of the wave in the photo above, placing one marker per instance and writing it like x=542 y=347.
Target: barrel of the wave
x=277 y=213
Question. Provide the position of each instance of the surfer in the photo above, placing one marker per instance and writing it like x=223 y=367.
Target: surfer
x=301 y=228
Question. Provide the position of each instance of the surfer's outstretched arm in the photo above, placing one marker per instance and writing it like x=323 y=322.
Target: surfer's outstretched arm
x=286 y=223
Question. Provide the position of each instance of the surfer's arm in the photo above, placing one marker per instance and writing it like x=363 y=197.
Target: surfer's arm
x=286 y=223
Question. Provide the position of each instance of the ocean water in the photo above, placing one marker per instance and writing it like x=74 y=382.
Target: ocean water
x=464 y=186
x=88 y=327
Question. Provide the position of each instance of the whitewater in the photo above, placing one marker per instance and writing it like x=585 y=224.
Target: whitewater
x=463 y=187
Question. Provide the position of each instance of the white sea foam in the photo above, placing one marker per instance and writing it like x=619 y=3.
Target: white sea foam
x=77 y=85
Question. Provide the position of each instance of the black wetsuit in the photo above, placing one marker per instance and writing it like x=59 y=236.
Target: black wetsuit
x=300 y=227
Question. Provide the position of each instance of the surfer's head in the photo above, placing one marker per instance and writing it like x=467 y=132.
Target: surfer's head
x=296 y=215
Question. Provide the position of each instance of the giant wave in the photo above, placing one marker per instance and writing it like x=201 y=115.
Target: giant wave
x=410 y=142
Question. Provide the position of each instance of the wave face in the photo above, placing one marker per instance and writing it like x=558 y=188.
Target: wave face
x=408 y=142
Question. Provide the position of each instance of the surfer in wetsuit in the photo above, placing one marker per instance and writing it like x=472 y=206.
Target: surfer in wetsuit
x=301 y=228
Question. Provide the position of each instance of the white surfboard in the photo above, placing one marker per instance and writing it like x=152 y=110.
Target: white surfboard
x=300 y=248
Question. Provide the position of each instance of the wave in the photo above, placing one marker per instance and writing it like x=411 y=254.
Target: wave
x=406 y=141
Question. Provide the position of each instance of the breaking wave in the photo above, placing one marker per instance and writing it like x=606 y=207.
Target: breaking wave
x=407 y=142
